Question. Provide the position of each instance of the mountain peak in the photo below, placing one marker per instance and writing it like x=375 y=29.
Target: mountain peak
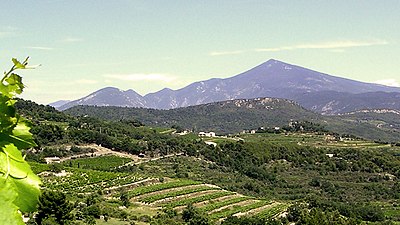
x=272 y=65
x=130 y=91
x=108 y=89
x=272 y=78
x=166 y=90
x=274 y=61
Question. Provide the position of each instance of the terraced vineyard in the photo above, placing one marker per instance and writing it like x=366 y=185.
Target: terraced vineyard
x=93 y=177
x=154 y=193
x=216 y=202
x=84 y=181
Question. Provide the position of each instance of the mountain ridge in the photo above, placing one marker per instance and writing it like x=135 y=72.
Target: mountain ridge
x=272 y=78
x=233 y=116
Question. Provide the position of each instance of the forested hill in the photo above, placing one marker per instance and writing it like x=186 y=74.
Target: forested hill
x=51 y=127
x=355 y=179
x=223 y=117
x=236 y=115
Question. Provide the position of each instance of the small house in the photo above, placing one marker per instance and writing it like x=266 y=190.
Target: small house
x=50 y=160
x=209 y=134
x=211 y=143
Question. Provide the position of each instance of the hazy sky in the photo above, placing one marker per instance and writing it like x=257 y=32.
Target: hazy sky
x=84 y=45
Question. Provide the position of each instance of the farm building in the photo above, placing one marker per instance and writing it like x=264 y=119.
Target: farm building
x=50 y=160
x=211 y=143
x=209 y=134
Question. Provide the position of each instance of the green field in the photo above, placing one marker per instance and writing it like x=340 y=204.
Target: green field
x=150 y=192
x=159 y=193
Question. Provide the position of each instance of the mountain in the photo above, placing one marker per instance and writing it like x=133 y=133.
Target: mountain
x=109 y=96
x=333 y=102
x=382 y=118
x=59 y=103
x=270 y=79
x=233 y=116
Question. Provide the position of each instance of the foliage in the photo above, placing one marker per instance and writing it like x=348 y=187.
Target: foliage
x=222 y=117
x=38 y=155
x=216 y=205
x=102 y=163
x=124 y=199
x=81 y=181
x=19 y=186
x=193 y=216
x=161 y=186
x=202 y=198
x=227 y=118
x=232 y=220
x=156 y=197
x=236 y=209
x=54 y=204
x=351 y=177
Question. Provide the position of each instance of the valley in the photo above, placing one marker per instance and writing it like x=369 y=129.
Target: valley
x=244 y=161
x=199 y=112
x=144 y=174
x=171 y=183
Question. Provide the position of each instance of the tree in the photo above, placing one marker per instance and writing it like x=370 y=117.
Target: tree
x=193 y=216
x=19 y=186
x=89 y=220
x=125 y=199
x=54 y=204
x=92 y=211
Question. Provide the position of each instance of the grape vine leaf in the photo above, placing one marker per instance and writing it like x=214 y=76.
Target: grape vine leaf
x=15 y=83
x=28 y=192
x=18 y=64
x=19 y=186
x=9 y=213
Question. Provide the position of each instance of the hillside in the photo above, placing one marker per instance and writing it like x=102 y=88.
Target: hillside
x=254 y=176
x=313 y=90
x=257 y=178
x=154 y=194
x=223 y=117
x=382 y=118
x=236 y=115
x=333 y=102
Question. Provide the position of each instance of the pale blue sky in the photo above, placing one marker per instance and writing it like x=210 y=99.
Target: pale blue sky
x=84 y=45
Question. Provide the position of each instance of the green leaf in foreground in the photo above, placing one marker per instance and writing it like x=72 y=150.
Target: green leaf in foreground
x=9 y=211
x=19 y=186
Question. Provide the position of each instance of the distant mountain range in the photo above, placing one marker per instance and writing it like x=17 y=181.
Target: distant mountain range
x=319 y=92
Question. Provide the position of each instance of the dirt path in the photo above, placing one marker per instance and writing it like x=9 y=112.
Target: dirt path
x=145 y=160
x=101 y=151
x=132 y=185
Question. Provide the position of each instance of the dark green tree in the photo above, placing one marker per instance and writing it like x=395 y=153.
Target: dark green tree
x=124 y=197
x=192 y=216
x=54 y=204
